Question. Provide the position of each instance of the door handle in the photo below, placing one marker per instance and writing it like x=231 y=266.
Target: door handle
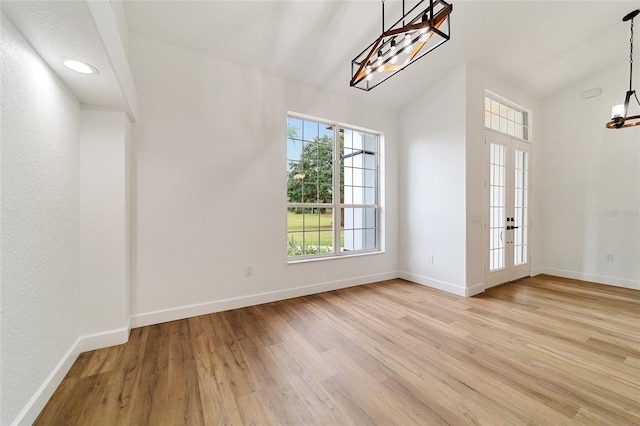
x=512 y=227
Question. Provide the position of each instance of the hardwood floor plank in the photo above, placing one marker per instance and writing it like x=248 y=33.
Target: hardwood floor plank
x=254 y=410
x=184 y=403
x=229 y=365
x=539 y=351
x=116 y=404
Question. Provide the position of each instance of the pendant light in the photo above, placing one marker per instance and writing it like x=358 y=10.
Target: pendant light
x=419 y=31
x=619 y=113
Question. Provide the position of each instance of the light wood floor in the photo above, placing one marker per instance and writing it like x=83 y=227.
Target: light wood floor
x=543 y=350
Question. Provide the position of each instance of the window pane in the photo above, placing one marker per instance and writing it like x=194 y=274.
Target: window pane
x=326 y=240
x=348 y=138
x=370 y=162
x=360 y=228
x=347 y=194
x=370 y=142
x=495 y=107
x=357 y=176
x=310 y=130
x=358 y=141
x=294 y=128
x=309 y=231
x=358 y=194
x=310 y=220
x=310 y=180
x=326 y=133
x=370 y=196
x=348 y=236
x=294 y=192
x=370 y=239
x=370 y=218
x=519 y=133
x=495 y=122
x=369 y=178
x=503 y=125
x=326 y=193
x=309 y=193
x=518 y=117
x=312 y=242
x=294 y=150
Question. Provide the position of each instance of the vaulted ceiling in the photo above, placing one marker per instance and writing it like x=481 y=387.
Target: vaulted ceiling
x=539 y=47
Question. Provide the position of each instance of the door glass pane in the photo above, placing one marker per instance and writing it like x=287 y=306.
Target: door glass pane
x=497 y=173
x=520 y=208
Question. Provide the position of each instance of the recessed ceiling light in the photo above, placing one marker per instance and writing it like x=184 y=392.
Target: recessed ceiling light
x=79 y=66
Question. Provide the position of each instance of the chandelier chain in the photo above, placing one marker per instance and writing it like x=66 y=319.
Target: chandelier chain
x=631 y=57
x=631 y=44
x=635 y=95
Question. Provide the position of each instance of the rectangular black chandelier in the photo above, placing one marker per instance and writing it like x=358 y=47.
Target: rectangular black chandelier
x=417 y=33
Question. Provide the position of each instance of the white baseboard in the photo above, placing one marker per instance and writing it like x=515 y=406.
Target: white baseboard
x=37 y=402
x=181 y=312
x=474 y=289
x=105 y=339
x=439 y=285
x=90 y=342
x=600 y=279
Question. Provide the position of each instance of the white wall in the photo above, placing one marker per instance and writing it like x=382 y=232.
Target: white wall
x=433 y=185
x=442 y=163
x=104 y=242
x=210 y=185
x=40 y=222
x=589 y=185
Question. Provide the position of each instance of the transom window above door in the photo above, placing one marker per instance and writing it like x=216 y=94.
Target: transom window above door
x=506 y=117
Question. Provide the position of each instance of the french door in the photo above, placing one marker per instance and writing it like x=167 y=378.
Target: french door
x=507 y=162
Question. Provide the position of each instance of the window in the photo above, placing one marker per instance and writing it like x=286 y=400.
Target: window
x=505 y=117
x=332 y=189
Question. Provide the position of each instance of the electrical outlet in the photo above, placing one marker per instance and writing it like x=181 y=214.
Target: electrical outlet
x=248 y=270
x=608 y=257
x=430 y=258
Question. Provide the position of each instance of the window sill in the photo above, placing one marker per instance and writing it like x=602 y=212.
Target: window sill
x=291 y=261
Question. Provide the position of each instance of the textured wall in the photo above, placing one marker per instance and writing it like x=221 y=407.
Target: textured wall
x=40 y=211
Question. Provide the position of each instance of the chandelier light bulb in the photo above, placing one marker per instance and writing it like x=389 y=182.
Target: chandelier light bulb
x=393 y=52
x=407 y=41
x=617 y=111
x=368 y=73
x=424 y=35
